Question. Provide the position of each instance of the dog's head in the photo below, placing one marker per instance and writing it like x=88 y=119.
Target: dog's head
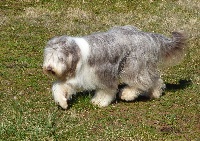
x=61 y=56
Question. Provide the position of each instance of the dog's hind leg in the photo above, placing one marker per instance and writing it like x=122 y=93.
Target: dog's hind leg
x=157 y=89
x=103 y=97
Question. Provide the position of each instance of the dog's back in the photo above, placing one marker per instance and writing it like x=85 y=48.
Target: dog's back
x=128 y=51
x=124 y=39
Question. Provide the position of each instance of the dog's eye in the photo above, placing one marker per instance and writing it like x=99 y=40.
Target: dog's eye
x=60 y=59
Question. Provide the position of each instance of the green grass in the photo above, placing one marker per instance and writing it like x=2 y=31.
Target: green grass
x=27 y=110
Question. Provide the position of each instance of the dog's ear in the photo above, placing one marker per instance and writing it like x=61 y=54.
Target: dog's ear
x=75 y=52
x=71 y=53
x=70 y=50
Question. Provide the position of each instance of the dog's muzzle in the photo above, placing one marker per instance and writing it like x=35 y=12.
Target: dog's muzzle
x=49 y=70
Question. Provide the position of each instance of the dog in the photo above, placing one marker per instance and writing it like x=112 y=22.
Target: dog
x=104 y=60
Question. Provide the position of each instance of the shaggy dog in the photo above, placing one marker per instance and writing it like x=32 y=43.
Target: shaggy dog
x=101 y=61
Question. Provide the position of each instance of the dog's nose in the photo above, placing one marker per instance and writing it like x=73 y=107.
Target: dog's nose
x=49 y=69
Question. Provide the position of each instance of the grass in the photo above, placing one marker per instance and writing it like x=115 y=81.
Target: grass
x=27 y=111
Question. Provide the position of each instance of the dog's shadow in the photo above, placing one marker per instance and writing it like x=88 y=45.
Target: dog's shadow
x=182 y=84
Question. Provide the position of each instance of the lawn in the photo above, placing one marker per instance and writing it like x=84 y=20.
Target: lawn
x=27 y=110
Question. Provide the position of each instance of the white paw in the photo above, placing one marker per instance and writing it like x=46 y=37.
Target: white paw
x=100 y=102
x=156 y=93
x=102 y=98
x=62 y=101
x=129 y=94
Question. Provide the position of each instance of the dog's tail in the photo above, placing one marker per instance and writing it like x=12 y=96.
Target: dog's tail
x=173 y=51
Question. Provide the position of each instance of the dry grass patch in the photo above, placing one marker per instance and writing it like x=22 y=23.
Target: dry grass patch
x=3 y=18
x=36 y=12
x=190 y=4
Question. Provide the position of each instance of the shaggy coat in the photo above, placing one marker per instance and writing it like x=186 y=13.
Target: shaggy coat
x=101 y=61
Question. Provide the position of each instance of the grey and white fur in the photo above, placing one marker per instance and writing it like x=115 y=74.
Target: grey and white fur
x=104 y=60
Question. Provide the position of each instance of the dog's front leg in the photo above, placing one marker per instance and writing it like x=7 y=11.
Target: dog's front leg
x=103 y=97
x=61 y=93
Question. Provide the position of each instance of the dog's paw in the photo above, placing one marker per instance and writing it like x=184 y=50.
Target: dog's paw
x=103 y=98
x=100 y=102
x=62 y=102
x=128 y=94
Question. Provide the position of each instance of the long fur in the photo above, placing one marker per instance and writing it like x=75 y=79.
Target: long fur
x=101 y=61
